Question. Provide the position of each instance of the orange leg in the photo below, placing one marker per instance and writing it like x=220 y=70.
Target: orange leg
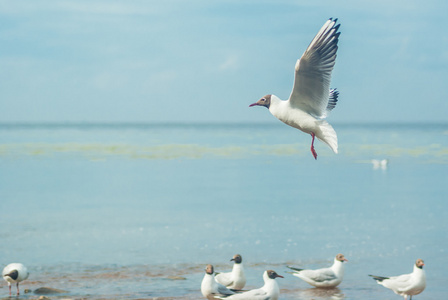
x=312 y=146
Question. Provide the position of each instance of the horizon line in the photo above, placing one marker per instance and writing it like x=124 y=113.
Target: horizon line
x=205 y=123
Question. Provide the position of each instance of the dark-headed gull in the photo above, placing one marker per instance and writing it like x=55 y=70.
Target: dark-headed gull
x=236 y=279
x=15 y=273
x=269 y=291
x=210 y=287
x=407 y=284
x=311 y=98
x=323 y=278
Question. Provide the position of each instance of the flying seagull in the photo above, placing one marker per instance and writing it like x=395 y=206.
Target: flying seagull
x=311 y=98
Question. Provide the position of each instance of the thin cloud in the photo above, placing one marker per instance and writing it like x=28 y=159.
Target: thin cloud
x=231 y=63
x=85 y=7
x=107 y=7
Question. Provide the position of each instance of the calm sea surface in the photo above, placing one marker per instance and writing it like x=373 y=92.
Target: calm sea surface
x=137 y=211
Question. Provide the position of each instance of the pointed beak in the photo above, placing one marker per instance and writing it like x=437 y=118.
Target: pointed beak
x=253 y=104
x=280 y=276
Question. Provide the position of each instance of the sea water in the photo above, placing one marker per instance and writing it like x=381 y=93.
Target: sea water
x=136 y=211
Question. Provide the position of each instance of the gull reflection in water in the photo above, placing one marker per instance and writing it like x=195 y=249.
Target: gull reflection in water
x=317 y=293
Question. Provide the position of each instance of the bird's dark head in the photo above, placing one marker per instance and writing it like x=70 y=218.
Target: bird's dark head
x=237 y=259
x=273 y=274
x=209 y=269
x=14 y=274
x=419 y=263
x=340 y=257
x=265 y=101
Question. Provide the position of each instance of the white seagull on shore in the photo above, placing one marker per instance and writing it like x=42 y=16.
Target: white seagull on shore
x=236 y=279
x=311 y=98
x=209 y=286
x=407 y=284
x=269 y=291
x=15 y=273
x=323 y=278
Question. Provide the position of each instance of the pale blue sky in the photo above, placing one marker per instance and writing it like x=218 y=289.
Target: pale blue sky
x=206 y=61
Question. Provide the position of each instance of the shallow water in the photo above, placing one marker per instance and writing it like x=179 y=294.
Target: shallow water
x=137 y=211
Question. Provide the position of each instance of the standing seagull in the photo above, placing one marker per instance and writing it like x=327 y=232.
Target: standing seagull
x=323 y=278
x=407 y=284
x=236 y=279
x=269 y=291
x=15 y=273
x=209 y=286
x=311 y=98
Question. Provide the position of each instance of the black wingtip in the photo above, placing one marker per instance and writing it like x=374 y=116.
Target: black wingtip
x=378 y=278
x=333 y=99
x=295 y=269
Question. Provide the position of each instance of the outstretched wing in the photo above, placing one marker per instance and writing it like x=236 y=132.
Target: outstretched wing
x=311 y=89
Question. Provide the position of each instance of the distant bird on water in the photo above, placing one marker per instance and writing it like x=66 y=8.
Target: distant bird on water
x=323 y=278
x=380 y=164
x=15 y=273
x=236 y=279
x=311 y=98
x=407 y=284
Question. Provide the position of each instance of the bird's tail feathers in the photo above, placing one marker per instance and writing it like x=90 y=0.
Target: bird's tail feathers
x=328 y=135
x=378 y=278
x=295 y=269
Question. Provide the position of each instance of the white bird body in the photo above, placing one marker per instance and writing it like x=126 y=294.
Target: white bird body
x=311 y=98
x=296 y=118
x=380 y=164
x=303 y=121
x=407 y=284
x=15 y=273
x=236 y=279
x=269 y=291
x=210 y=287
x=325 y=277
